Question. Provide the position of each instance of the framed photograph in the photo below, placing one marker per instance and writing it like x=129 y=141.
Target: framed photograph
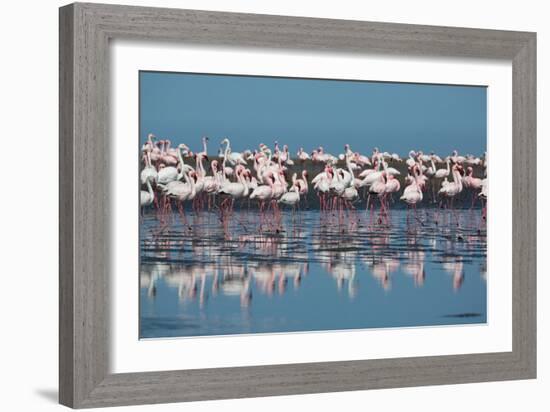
x=257 y=205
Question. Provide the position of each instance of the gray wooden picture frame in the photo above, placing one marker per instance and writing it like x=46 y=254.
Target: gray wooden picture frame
x=85 y=32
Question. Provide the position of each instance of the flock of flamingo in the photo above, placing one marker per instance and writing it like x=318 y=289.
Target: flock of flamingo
x=271 y=178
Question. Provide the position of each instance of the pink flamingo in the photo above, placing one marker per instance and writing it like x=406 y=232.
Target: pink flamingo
x=321 y=183
x=412 y=194
x=452 y=189
x=442 y=173
x=392 y=185
x=146 y=198
x=149 y=171
x=291 y=198
x=472 y=183
x=378 y=188
x=302 y=155
x=168 y=156
x=212 y=183
x=303 y=186
x=234 y=190
x=180 y=191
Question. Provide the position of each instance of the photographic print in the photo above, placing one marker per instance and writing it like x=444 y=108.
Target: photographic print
x=278 y=205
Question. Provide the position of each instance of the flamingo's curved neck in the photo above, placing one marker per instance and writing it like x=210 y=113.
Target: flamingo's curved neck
x=149 y=188
x=199 y=166
x=241 y=179
x=350 y=170
x=457 y=179
x=180 y=158
x=191 y=181
x=226 y=152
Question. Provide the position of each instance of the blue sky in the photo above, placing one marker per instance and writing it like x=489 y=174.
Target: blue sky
x=250 y=110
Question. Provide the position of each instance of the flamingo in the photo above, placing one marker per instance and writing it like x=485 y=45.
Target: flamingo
x=452 y=189
x=149 y=145
x=378 y=188
x=472 y=183
x=392 y=184
x=146 y=198
x=441 y=173
x=411 y=160
x=302 y=155
x=200 y=175
x=350 y=193
x=391 y=170
x=371 y=175
x=155 y=150
x=182 y=191
x=285 y=156
x=290 y=198
x=234 y=190
x=361 y=160
x=303 y=186
x=234 y=158
x=168 y=156
x=412 y=195
x=430 y=171
x=212 y=183
x=322 y=184
x=456 y=158
x=149 y=171
x=263 y=192
x=167 y=174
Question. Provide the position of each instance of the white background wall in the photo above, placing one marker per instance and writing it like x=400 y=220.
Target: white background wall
x=28 y=293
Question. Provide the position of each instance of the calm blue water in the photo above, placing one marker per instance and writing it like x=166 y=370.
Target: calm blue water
x=312 y=271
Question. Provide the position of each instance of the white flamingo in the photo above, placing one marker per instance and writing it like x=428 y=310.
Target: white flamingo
x=411 y=161
x=452 y=189
x=412 y=195
x=263 y=193
x=234 y=158
x=290 y=198
x=235 y=190
x=147 y=197
x=302 y=155
x=442 y=173
x=149 y=172
x=350 y=193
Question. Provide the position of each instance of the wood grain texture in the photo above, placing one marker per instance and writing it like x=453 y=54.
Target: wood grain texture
x=85 y=31
x=66 y=229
